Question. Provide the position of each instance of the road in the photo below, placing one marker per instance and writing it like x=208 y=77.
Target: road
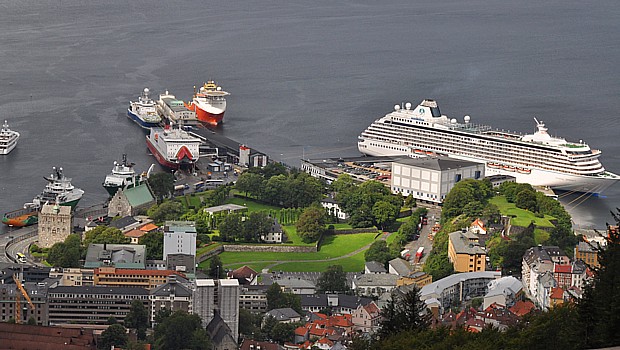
x=14 y=235
x=434 y=213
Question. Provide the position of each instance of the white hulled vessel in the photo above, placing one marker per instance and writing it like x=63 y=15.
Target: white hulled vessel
x=144 y=111
x=538 y=159
x=173 y=148
x=124 y=176
x=8 y=139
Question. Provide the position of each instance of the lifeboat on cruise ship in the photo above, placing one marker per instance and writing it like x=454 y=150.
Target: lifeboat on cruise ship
x=493 y=165
x=418 y=151
x=524 y=170
x=509 y=168
x=429 y=153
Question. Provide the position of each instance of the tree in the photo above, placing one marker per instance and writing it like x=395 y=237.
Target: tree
x=333 y=280
x=138 y=319
x=404 y=312
x=410 y=201
x=67 y=253
x=256 y=225
x=168 y=210
x=180 y=330
x=162 y=184
x=379 y=252
x=230 y=227
x=216 y=268
x=250 y=183
x=105 y=234
x=311 y=224
x=599 y=309
x=277 y=299
x=114 y=335
x=384 y=213
x=154 y=242
x=526 y=199
x=282 y=332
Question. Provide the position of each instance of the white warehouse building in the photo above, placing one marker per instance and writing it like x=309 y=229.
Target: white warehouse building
x=430 y=179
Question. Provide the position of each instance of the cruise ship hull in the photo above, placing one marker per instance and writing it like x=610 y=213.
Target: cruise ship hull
x=535 y=177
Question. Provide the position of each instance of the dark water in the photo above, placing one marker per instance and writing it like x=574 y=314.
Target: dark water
x=306 y=77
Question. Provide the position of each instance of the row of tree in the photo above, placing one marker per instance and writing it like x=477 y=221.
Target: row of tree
x=290 y=190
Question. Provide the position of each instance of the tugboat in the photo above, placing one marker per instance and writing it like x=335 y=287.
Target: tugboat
x=8 y=139
x=124 y=176
x=210 y=103
x=144 y=111
x=58 y=190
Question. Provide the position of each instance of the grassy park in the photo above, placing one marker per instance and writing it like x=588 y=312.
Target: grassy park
x=520 y=217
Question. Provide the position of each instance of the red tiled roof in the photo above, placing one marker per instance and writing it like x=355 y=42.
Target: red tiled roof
x=301 y=331
x=243 y=272
x=372 y=309
x=325 y=341
x=557 y=293
x=478 y=223
x=149 y=227
x=135 y=233
x=263 y=345
x=521 y=308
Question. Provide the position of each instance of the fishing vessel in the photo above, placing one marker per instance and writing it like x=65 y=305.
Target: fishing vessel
x=124 y=176
x=538 y=159
x=8 y=139
x=173 y=148
x=58 y=190
x=144 y=111
x=210 y=103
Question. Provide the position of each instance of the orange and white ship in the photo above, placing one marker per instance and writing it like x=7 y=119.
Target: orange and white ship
x=209 y=103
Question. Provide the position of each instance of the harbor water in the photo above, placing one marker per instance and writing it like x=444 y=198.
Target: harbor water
x=305 y=77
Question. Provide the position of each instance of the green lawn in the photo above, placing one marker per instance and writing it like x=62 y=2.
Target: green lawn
x=293 y=237
x=540 y=236
x=251 y=204
x=333 y=246
x=354 y=263
x=520 y=217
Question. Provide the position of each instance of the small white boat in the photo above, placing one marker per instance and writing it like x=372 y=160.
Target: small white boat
x=8 y=139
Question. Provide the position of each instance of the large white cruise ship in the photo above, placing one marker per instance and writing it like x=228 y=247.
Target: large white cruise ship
x=538 y=159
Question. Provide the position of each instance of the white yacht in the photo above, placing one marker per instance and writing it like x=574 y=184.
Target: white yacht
x=8 y=139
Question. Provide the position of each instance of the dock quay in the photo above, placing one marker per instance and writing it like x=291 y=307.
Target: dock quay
x=227 y=149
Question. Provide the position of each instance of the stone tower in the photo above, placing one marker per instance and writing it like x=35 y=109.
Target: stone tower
x=54 y=224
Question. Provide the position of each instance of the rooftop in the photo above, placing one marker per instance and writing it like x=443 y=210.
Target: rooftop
x=375 y=280
x=375 y=267
x=98 y=290
x=438 y=286
x=119 y=255
x=139 y=195
x=464 y=245
x=437 y=163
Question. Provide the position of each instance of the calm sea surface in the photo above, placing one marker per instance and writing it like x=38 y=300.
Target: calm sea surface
x=306 y=77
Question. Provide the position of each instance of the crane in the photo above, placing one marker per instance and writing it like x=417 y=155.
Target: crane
x=18 y=305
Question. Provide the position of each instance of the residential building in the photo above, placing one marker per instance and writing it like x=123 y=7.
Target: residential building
x=147 y=279
x=478 y=227
x=367 y=318
x=124 y=256
x=537 y=261
x=54 y=224
x=73 y=276
x=522 y=308
x=418 y=278
x=179 y=238
x=26 y=273
x=248 y=344
x=172 y=296
x=134 y=235
x=556 y=297
x=283 y=315
x=374 y=267
x=131 y=201
x=339 y=304
x=458 y=288
x=253 y=298
x=465 y=252
x=588 y=253
x=275 y=233
x=399 y=267
x=92 y=304
x=374 y=284
x=245 y=275
x=504 y=291
x=37 y=292
x=545 y=285
x=295 y=285
x=431 y=178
